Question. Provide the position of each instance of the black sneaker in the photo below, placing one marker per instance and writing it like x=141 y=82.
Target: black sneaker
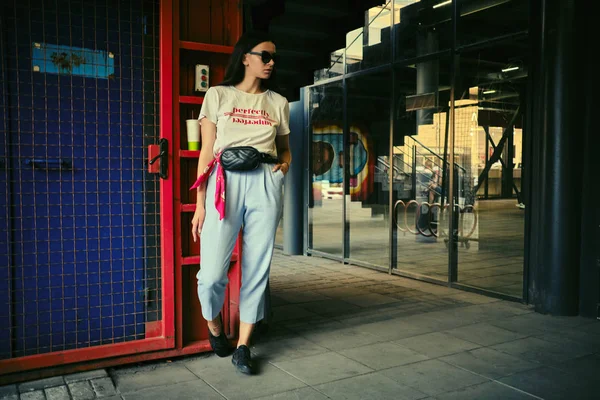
x=242 y=360
x=219 y=344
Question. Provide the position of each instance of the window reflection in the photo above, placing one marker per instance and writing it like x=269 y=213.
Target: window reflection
x=421 y=168
x=489 y=144
x=415 y=172
x=368 y=179
x=326 y=186
x=421 y=27
x=369 y=45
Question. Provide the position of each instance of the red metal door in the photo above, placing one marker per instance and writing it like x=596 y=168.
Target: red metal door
x=88 y=270
x=87 y=89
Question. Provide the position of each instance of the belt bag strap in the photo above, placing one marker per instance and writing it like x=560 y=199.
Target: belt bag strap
x=244 y=158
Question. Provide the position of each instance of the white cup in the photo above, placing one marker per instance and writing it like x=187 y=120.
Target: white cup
x=193 y=134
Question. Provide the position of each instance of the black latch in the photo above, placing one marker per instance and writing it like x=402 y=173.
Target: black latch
x=163 y=156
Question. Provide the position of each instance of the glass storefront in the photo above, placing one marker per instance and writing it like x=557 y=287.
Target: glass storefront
x=415 y=117
x=326 y=197
x=420 y=159
x=367 y=145
x=489 y=143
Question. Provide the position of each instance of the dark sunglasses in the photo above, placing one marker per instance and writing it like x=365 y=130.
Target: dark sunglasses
x=265 y=56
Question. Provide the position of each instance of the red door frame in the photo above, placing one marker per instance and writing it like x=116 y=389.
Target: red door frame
x=161 y=335
x=166 y=185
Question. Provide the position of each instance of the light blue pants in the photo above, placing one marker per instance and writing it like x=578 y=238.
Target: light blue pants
x=253 y=201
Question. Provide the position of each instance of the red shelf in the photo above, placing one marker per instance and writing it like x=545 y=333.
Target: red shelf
x=189 y=153
x=210 y=48
x=191 y=99
x=195 y=260
x=188 y=207
x=192 y=260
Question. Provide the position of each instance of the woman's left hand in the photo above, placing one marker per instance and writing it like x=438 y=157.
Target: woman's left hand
x=284 y=167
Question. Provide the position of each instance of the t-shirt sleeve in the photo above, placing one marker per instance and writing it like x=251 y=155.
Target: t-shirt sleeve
x=210 y=106
x=284 y=124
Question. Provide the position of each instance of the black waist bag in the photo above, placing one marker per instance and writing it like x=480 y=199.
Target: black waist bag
x=244 y=158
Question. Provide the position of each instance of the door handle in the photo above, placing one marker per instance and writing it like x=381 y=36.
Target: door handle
x=49 y=164
x=162 y=156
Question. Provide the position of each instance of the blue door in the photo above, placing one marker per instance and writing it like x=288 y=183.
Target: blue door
x=79 y=234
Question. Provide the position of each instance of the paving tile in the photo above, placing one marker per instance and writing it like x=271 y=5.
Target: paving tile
x=438 y=289
x=301 y=296
x=436 y=344
x=569 y=336
x=277 y=301
x=393 y=329
x=494 y=282
x=490 y=363
x=437 y=321
x=306 y=393
x=290 y=312
x=371 y=386
x=369 y=300
x=58 y=393
x=480 y=313
x=591 y=327
x=518 y=325
x=383 y=355
x=487 y=391
x=134 y=379
x=485 y=334
x=192 y=390
x=366 y=315
x=311 y=324
x=273 y=332
x=41 y=384
x=103 y=387
x=85 y=376
x=33 y=395
x=340 y=338
x=548 y=383
x=584 y=370
x=327 y=307
x=9 y=392
x=541 y=351
x=223 y=377
x=116 y=397
x=344 y=291
x=287 y=348
x=537 y=324
x=433 y=377
x=323 y=368
x=81 y=390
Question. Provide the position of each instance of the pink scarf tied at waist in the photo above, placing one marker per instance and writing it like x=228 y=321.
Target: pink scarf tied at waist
x=220 y=184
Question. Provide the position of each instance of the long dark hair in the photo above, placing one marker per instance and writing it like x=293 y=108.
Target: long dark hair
x=235 y=70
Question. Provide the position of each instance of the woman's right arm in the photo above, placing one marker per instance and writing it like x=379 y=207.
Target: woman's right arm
x=209 y=134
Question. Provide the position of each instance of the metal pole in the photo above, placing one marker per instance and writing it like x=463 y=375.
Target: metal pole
x=452 y=250
x=393 y=239
x=293 y=204
x=557 y=186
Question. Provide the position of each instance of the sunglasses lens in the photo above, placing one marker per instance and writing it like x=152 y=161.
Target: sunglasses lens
x=267 y=57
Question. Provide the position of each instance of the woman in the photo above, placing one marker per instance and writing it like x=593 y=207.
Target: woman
x=242 y=112
x=432 y=181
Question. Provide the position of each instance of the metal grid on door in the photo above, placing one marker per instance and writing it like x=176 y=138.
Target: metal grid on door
x=79 y=214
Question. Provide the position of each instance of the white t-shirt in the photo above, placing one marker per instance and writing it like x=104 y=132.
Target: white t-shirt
x=245 y=119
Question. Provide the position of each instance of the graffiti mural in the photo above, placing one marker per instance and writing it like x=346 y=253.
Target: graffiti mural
x=328 y=158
